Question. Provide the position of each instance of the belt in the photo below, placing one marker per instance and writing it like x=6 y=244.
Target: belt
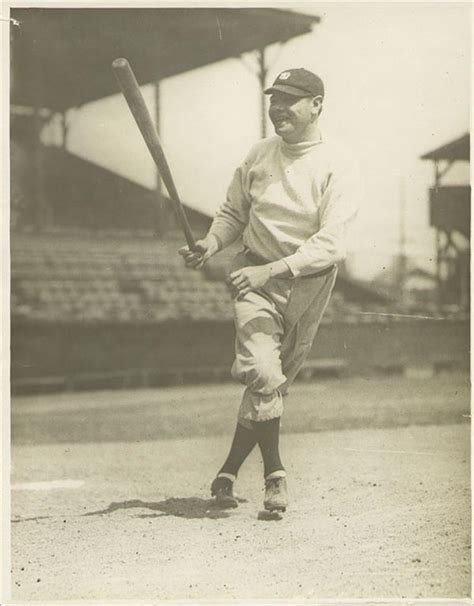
x=257 y=260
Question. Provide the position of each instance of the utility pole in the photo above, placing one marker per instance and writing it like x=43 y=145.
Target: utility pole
x=402 y=253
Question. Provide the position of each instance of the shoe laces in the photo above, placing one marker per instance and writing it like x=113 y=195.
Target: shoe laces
x=223 y=486
x=274 y=484
x=227 y=490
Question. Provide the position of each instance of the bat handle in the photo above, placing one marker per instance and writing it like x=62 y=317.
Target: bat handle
x=186 y=228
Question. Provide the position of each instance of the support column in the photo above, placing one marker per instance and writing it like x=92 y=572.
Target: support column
x=262 y=78
x=261 y=71
x=436 y=173
x=64 y=130
x=464 y=280
x=42 y=208
x=41 y=205
x=161 y=222
x=439 y=277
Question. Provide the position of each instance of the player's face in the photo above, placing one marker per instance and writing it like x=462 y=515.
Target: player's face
x=292 y=116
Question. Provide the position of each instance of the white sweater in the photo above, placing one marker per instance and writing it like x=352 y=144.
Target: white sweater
x=291 y=202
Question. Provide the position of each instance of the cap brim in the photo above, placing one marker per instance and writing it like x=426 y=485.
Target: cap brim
x=289 y=90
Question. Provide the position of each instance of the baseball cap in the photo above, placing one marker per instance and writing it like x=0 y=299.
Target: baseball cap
x=299 y=82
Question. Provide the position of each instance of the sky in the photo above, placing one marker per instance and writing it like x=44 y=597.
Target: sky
x=397 y=78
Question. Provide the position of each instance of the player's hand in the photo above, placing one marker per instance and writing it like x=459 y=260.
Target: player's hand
x=249 y=278
x=205 y=248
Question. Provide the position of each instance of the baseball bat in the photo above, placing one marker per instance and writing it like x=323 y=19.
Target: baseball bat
x=131 y=91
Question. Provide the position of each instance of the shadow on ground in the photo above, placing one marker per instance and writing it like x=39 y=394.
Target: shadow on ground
x=186 y=507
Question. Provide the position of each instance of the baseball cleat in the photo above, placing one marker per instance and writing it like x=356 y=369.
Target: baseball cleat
x=222 y=489
x=276 y=495
x=270 y=516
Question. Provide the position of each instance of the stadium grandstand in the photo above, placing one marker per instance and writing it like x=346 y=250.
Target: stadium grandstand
x=99 y=295
x=99 y=260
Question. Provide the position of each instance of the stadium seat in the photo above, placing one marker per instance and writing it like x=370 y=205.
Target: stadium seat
x=94 y=277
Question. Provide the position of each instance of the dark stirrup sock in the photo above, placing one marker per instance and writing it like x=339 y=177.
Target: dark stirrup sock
x=268 y=434
x=242 y=445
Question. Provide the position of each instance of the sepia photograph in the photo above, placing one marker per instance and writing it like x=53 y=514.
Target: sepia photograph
x=236 y=302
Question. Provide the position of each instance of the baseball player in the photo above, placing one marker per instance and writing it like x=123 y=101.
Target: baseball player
x=292 y=200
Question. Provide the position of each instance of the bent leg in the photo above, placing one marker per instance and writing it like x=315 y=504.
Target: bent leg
x=242 y=445
x=303 y=316
x=268 y=436
x=259 y=330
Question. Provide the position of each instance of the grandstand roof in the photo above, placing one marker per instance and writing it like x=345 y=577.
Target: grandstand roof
x=84 y=195
x=454 y=150
x=62 y=57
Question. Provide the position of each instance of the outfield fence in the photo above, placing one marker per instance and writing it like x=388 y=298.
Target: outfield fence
x=56 y=357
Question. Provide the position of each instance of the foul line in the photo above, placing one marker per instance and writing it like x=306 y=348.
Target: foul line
x=51 y=485
x=410 y=452
x=375 y=313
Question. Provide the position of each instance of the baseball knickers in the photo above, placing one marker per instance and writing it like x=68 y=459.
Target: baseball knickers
x=275 y=328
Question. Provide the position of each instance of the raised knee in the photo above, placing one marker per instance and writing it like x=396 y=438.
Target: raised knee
x=261 y=376
x=264 y=373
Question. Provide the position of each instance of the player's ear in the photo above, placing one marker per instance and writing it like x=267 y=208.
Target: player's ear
x=317 y=105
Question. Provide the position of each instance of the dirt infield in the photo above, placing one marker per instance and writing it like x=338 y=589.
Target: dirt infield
x=376 y=512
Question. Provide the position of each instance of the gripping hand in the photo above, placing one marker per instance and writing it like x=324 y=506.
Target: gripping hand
x=205 y=249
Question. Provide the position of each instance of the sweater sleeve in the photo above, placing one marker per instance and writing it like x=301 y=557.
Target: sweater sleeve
x=232 y=217
x=339 y=206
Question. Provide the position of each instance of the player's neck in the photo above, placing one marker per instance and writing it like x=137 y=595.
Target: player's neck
x=311 y=134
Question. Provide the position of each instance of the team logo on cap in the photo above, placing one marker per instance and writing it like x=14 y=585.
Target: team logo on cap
x=284 y=76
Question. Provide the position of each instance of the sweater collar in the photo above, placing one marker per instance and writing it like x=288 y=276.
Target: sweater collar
x=296 y=150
